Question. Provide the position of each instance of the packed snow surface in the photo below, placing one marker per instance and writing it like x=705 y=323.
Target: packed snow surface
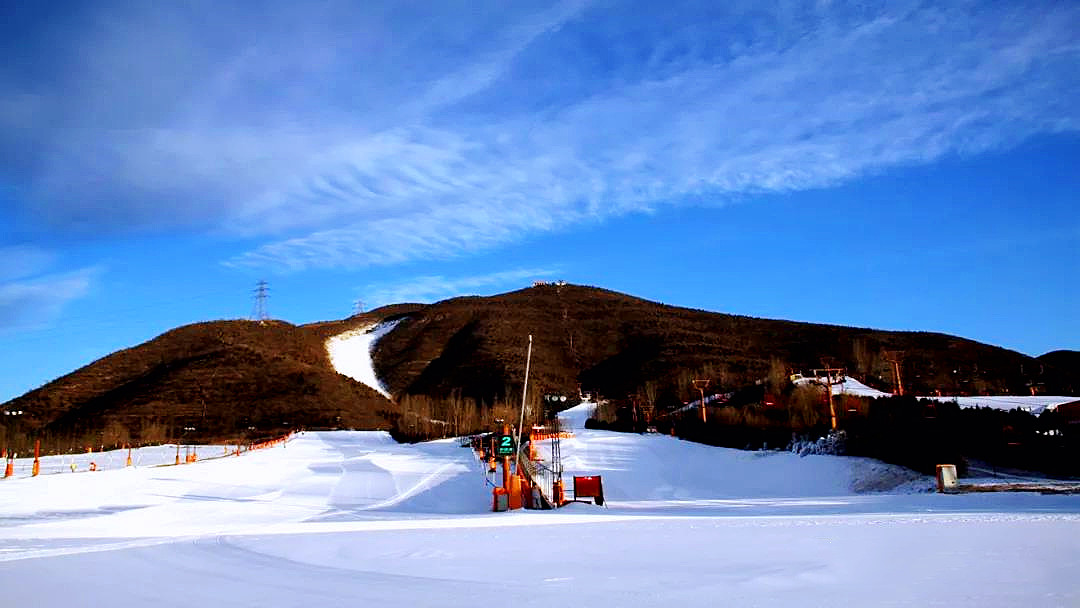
x=353 y=518
x=350 y=354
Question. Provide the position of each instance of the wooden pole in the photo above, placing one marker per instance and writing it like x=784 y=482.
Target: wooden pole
x=701 y=385
x=832 y=406
x=828 y=369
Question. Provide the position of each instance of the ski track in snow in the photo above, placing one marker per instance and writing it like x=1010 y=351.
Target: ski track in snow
x=350 y=354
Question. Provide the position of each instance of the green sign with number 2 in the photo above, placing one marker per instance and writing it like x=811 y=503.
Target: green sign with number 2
x=504 y=445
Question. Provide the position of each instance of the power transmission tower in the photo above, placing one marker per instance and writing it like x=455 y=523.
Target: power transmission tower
x=358 y=307
x=262 y=293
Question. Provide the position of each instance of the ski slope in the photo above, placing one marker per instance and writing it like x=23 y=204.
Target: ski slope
x=350 y=354
x=353 y=518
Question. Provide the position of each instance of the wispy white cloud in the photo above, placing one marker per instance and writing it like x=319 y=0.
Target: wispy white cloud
x=373 y=136
x=35 y=302
x=23 y=260
x=426 y=289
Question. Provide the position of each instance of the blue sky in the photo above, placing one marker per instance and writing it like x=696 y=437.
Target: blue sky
x=897 y=165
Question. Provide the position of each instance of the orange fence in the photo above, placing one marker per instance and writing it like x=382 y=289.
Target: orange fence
x=561 y=435
x=270 y=442
x=94 y=460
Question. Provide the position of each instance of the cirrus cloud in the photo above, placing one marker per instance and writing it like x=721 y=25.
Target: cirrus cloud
x=346 y=137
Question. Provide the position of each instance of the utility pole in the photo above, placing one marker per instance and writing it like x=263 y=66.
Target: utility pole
x=829 y=369
x=701 y=385
x=262 y=293
x=895 y=357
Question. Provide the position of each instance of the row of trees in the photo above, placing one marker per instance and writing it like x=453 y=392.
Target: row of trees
x=113 y=435
x=423 y=417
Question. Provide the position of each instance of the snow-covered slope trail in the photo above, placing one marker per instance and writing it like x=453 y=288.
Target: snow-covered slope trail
x=350 y=354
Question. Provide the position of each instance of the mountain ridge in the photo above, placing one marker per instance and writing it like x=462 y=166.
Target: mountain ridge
x=224 y=378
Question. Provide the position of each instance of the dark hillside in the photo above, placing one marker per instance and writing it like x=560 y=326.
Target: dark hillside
x=222 y=378
x=614 y=344
x=1063 y=370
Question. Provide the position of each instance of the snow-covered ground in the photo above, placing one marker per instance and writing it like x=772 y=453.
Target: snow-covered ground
x=353 y=518
x=350 y=354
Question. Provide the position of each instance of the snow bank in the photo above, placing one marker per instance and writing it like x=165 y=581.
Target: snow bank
x=350 y=354
x=651 y=467
x=643 y=468
x=315 y=476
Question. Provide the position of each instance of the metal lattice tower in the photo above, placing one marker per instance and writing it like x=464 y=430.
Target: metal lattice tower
x=358 y=307
x=262 y=293
x=556 y=456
